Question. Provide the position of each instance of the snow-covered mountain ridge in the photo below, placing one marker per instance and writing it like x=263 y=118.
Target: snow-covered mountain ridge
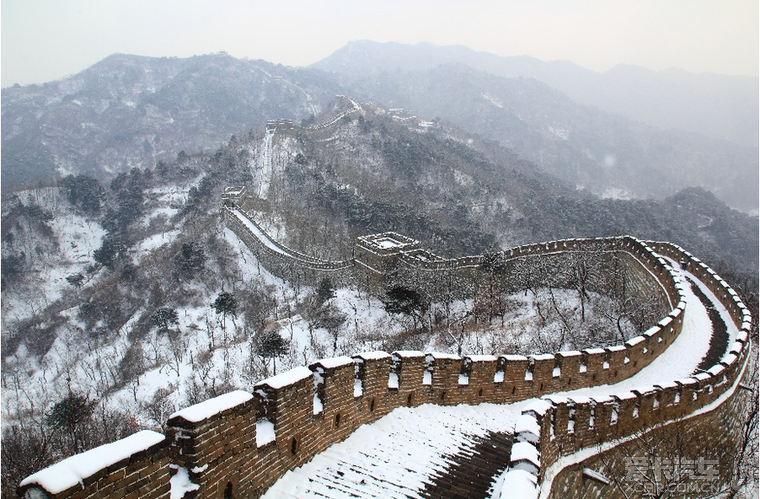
x=129 y=111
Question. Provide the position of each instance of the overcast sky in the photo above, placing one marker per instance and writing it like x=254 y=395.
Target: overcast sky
x=43 y=40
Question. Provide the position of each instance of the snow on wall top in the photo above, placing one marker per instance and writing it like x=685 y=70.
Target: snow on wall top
x=287 y=378
x=527 y=424
x=204 y=410
x=334 y=362
x=387 y=242
x=442 y=356
x=635 y=341
x=518 y=483
x=73 y=470
x=373 y=355
x=539 y=406
x=543 y=356
x=594 y=351
x=482 y=358
x=514 y=358
x=570 y=353
x=409 y=354
x=524 y=451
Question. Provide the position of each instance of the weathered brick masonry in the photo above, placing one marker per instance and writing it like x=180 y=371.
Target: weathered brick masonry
x=714 y=435
x=226 y=451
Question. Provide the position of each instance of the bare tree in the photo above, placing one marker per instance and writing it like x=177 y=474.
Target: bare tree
x=160 y=407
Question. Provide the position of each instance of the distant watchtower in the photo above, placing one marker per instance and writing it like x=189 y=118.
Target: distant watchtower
x=379 y=253
x=234 y=196
x=272 y=125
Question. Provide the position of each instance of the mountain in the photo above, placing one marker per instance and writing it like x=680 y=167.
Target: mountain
x=607 y=154
x=129 y=111
x=717 y=106
x=461 y=194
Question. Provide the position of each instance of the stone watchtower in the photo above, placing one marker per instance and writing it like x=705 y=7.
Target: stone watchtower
x=234 y=196
x=379 y=253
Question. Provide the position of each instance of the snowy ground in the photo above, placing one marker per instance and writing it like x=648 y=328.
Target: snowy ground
x=77 y=238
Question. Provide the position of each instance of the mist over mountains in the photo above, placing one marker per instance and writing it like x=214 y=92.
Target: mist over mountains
x=718 y=106
x=599 y=131
x=131 y=111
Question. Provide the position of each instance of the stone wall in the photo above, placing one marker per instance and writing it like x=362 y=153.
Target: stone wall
x=282 y=261
x=610 y=263
x=570 y=426
x=241 y=443
x=135 y=467
x=713 y=437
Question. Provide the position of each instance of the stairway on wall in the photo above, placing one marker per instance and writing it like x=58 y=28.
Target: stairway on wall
x=426 y=451
x=473 y=470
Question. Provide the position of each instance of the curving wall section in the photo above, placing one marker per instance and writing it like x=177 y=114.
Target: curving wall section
x=238 y=444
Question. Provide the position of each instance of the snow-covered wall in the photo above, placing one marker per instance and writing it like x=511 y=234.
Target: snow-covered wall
x=136 y=466
x=277 y=258
x=241 y=443
x=581 y=426
x=419 y=267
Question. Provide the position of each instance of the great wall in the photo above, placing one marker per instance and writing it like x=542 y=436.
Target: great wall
x=574 y=406
x=239 y=444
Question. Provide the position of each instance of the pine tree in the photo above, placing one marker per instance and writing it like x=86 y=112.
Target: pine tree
x=271 y=345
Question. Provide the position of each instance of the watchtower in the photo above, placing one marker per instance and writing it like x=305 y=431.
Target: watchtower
x=234 y=196
x=379 y=253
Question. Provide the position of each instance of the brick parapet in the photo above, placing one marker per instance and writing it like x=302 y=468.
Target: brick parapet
x=142 y=472
x=671 y=400
x=690 y=439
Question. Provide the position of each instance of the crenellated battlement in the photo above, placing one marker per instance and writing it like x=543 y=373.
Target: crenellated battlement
x=377 y=256
x=242 y=442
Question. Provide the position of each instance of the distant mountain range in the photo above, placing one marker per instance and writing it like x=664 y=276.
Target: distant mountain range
x=602 y=132
x=599 y=131
x=717 y=106
x=129 y=111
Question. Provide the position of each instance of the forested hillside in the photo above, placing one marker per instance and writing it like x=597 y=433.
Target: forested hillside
x=606 y=154
x=130 y=111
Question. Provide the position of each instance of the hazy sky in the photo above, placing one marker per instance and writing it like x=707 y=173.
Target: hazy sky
x=44 y=40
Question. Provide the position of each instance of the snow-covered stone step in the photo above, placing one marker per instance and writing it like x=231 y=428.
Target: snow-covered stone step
x=474 y=469
x=401 y=455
